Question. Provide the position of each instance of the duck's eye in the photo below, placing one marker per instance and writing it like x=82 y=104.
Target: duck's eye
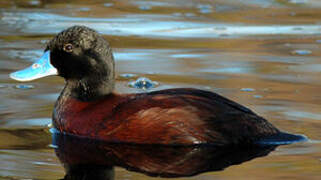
x=68 y=48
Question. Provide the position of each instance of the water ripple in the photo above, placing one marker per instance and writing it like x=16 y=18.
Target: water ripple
x=145 y=25
x=143 y=83
x=24 y=86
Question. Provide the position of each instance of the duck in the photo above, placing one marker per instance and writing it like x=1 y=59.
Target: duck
x=89 y=107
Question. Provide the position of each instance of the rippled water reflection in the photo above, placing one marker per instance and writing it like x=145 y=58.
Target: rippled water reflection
x=263 y=54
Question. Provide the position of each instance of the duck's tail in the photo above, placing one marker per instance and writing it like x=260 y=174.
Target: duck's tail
x=282 y=138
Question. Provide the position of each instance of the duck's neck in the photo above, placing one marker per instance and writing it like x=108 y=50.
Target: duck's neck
x=97 y=80
x=89 y=89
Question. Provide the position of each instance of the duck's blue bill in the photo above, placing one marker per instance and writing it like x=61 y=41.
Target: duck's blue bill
x=39 y=69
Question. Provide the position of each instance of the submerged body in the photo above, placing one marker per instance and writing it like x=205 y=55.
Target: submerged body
x=88 y=106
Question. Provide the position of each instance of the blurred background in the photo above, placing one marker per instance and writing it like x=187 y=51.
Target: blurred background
x=265 y=54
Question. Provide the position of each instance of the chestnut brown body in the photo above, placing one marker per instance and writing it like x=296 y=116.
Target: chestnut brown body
x=174 y=116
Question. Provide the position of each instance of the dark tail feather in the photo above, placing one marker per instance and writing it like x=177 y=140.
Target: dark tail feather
x=282 y=138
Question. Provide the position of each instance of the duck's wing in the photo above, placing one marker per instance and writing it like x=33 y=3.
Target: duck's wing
x=222 y=118
x=186 y=116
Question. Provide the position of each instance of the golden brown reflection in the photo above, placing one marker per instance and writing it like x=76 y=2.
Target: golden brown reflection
x=89 y=159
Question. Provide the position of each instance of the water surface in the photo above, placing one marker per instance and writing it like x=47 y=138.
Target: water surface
x=263 y=54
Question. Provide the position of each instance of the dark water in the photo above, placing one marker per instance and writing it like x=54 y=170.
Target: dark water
x=264 y=54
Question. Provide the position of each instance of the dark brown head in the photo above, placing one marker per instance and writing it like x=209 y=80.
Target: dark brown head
x=81 y=56
x=79 y=51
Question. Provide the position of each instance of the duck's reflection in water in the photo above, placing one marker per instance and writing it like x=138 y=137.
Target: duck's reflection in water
x=89 y=159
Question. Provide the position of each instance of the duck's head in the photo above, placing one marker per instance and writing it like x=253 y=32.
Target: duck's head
x=81 y=56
